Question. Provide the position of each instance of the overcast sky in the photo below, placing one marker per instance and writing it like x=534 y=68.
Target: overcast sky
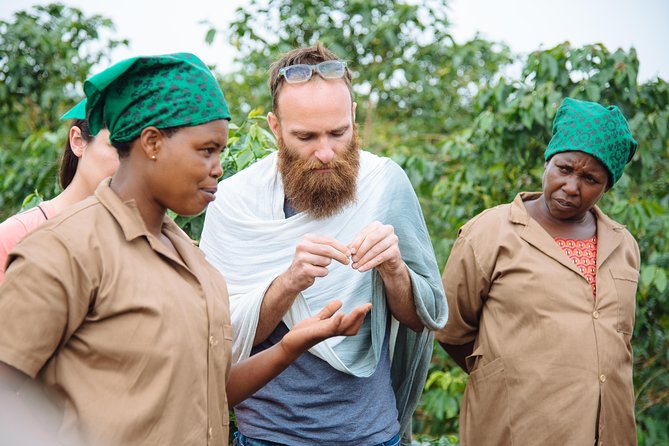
x=166 y=26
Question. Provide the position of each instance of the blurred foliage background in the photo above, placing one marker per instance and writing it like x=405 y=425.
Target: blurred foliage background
x=469 y=135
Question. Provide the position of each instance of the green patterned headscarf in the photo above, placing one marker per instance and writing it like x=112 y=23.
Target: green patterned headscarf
x=596 y=130
x=163 y=91
x=76 y=112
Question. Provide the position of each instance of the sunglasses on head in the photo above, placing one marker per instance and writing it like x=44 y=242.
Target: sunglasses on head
x=330 y=69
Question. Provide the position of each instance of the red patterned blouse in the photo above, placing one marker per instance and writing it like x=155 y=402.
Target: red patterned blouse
x=584 y=255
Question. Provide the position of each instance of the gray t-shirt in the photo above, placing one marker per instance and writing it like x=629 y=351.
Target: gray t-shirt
x=311 y=403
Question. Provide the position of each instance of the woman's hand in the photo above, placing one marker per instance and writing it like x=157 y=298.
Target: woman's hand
x=309 y=332
x=247 y=376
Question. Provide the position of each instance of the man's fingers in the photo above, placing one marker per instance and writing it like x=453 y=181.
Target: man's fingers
x=354 y=246
x=329 y=241
x=310 y=258
x=321 y=245
x=373 y=240
x=379 y=253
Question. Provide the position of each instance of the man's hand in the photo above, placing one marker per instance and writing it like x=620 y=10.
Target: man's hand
x=377 y=246
x=312 y=257
x=309 y=332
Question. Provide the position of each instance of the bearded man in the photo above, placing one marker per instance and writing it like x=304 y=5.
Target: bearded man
x=321 y=219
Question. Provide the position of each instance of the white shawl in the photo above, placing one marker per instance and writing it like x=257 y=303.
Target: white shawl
x=249 y=240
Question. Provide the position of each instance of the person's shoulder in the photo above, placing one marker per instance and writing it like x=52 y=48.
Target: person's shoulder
x=75 y=222
x=615 y=226
x=384 y=172
x=628 y=238
x=24 y=221
x=11 y=226
x=486 y=221
x=86 y=208
x=483 y=232
x=18 y=226
x=369 y=160
x=628 y=247
x=627 y=234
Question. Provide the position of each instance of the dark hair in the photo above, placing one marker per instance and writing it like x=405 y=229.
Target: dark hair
x=70 y=161
x=170 y=131
x=311 y=55
x=123 y=147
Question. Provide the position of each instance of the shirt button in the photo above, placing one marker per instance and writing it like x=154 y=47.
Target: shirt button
x=602 y=378
x=211 y=433
x=595 y=314
x=212 y=341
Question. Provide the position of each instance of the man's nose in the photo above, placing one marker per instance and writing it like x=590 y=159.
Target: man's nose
x=325 y=153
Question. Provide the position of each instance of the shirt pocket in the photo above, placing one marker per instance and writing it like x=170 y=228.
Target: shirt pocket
x=472 y=360
x=485 y=411
x=626 y=285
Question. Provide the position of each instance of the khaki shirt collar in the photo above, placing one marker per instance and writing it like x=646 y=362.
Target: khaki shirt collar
x=125 y=213
x=610 y=234
x=130 y=220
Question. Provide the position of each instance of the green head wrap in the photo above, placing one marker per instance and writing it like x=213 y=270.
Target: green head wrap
x=596 y=130
x=163 y=91
x=76 y=112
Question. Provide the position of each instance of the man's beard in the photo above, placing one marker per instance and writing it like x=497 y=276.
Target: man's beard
x=320 y=194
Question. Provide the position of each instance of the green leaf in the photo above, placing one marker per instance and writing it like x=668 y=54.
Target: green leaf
x=647 y=274
x=211 y=35
x=592 y=91
x=31 y=200
x=661 y=280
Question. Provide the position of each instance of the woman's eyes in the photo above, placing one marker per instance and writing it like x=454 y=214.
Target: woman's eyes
x=210 y=151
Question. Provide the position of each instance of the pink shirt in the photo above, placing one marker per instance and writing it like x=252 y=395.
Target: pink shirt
x=18 y=226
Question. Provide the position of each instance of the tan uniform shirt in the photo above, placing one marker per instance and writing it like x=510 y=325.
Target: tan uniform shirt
x=550 y=363
x=134 y=342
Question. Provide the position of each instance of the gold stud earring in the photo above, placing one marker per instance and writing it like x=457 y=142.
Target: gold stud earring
x=153 y=157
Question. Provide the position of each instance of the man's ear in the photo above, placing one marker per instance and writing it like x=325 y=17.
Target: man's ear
x=353 y=108
x=151 y=141
x=77 y=141
x=274 y=124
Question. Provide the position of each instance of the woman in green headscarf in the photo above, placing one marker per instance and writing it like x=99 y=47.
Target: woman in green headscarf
x=111 y=307
x=541 y=295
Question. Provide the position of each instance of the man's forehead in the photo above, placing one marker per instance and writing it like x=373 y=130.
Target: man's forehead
x=317 y=108
x=314 y=92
